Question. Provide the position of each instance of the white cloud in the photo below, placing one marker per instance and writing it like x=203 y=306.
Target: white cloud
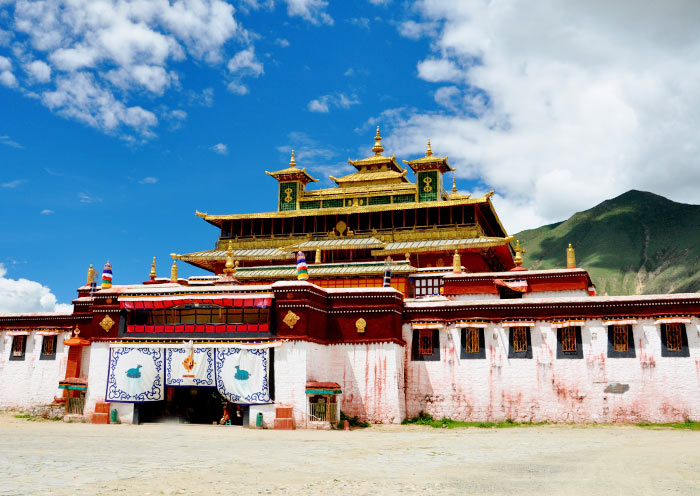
x=7 y=78
x=415 y=30
x=149 y=180
x=39 y=70
x=13 y=184
x=245 y=62
x=220 y=148
x=86 y=198
x=560 y=105
x=5 y=140
x=47 y=211
x=283 y=42
x=313 y=11
x=324 y=103
x=25 y=296
x=101 y=52
x=360 y=22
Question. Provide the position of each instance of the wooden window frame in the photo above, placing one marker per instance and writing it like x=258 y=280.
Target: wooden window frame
x=564 y=348
x=512 y=353
x=479 y=333
x=18 y=338
x=416 y=355
x=683 y=351
x=612 y=352
x=425 y=342
x=52 y=351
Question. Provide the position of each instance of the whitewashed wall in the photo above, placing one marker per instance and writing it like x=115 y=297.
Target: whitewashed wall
x=661 y=389
x=97 y=360
x=30 y=382
x=370 y=375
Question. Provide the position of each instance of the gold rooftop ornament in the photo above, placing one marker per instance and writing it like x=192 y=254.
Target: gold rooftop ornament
x=173 y=272
x=429 y=151
x=456 y=263
x=152 y=274
x=377 y=148
x=570 y=257
x=230 y=267
x=91 y=275
x=518 y=259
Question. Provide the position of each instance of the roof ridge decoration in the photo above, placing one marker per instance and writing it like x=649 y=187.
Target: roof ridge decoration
x=429 y=161
x=377 y=148
x=292 y=173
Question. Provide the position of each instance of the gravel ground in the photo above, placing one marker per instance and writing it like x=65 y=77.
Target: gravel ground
x=57 y=458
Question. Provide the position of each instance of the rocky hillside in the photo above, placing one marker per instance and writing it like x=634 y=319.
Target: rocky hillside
x=637 y=243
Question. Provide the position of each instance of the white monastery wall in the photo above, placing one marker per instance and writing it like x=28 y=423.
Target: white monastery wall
x=596 y=388
x=290 y=381
x=31 y=381
x=98 y=360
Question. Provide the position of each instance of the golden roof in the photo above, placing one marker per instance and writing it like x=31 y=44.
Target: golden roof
x=378 y=159
x=429 y=159
x=433 y=245
x=372 y=175
x=455 y=195
x=292 y=170
x=360 y=190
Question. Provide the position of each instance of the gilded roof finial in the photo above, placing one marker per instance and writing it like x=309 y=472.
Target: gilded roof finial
x=456 y=263
x=454 y=184
x=377 y=148
x=518 y=259
x=173 y=272
x=292 y=162
x=570 y=257
x=230 y=267
x=152 y=274
x=429 y=151
x=91 y=275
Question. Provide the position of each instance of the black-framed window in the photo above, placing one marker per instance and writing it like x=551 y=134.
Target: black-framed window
x=620 y=341
x=200 y=314
x=508 y=294
x=569 y=342
x=674 y=341
x=48 y=347
x=19 y=347
x=519 y=342
x=423 y=341
x=472 y=343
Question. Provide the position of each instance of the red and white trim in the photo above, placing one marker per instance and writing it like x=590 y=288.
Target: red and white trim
x=518 y=323
x=259 y=300
x=519 y=286
x=479 y=324
x=675 y=319
x=427 y=325
x=560 y=324
x=620 y=321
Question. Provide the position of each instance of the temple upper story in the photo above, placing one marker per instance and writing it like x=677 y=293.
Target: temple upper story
x=370 y=214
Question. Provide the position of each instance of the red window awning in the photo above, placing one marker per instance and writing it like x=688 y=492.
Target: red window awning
x=169 y=302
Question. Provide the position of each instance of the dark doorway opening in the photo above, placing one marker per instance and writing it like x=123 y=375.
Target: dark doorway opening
x=190 y=405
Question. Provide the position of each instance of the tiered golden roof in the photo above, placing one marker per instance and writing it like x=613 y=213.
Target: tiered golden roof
x=429 y=161
x=292 y=173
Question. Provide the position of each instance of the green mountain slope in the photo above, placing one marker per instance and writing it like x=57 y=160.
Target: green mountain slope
x=637 y=243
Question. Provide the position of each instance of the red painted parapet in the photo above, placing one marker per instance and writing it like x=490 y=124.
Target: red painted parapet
x=537 y=281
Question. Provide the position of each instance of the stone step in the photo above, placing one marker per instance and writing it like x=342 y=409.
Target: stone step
x=100 y=418
x=284 y=424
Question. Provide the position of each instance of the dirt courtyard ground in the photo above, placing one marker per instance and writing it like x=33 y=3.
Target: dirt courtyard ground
x=58 y=458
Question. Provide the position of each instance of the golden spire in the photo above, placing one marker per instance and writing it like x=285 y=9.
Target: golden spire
x=152 y=274
x=173 y=272
x=377 y=148
x=570 y=257
x=91 y=275
x=292 y=162
x=318 y=256
x=454 y=184
x=456 y=263
x=230 y=267
x=429 y=151
x=518 y=259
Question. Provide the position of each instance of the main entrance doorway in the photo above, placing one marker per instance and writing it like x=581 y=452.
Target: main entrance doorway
x=190 y=405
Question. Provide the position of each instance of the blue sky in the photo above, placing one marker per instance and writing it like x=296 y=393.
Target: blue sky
x=119 y=119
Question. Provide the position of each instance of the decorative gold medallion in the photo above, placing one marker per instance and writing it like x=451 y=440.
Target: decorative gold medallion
x=341 y=227
x=288 y=193
x=107 y=323
x=427 y=188
x=360 y=324
x=291 y=319
x=188 y=364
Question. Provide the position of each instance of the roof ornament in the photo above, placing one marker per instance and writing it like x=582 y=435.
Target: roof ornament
x=106 y=282
x=152 y=274
x=173 y=272
x=230 y=267
x=518 y=259
x=456 y=263
x=91 y=276
x=429 y=151
x=454 y=184
x=292 y=162
x=570 y=257
x=377 y=148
